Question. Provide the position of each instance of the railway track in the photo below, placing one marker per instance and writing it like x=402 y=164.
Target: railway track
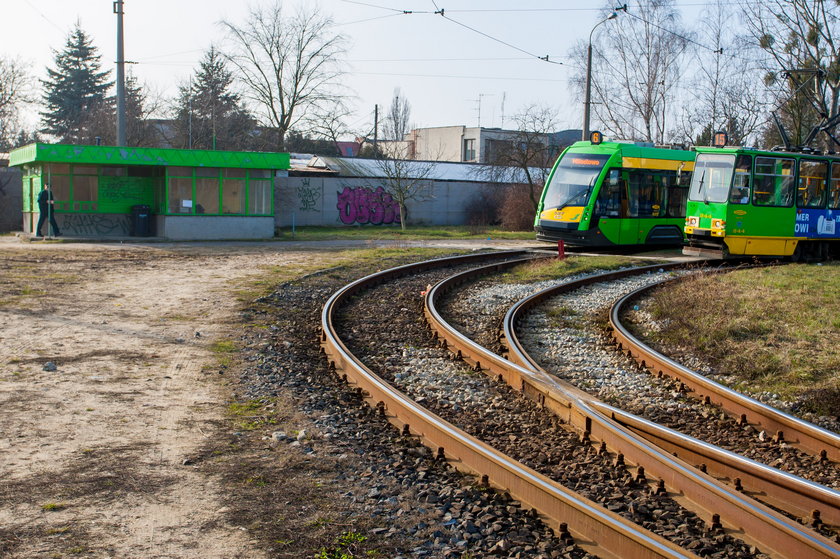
x=787 y=428
x=793 y=494
x=588 y=525
x=596 y=423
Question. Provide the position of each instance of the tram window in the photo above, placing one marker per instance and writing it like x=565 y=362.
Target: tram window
x=608 y=202
x=810 y=193
x=677 y=195
x=834 y=195
x=740 y=191
x=647 y=193
x=774 y=184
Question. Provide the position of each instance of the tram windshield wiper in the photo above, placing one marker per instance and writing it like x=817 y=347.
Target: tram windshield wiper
x=705 y=193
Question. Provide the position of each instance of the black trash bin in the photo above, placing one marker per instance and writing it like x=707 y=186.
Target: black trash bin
x=141 y=221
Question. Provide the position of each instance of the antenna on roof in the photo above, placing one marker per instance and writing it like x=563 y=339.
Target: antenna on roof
x=478 y=101
x=504 y=95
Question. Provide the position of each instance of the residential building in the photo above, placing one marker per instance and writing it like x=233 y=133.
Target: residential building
x=471 y=144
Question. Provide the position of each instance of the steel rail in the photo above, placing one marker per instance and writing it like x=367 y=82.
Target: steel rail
x=711 y=499
x=781 y=489
x=592 y=527
x=792 y=430
x=770 y=485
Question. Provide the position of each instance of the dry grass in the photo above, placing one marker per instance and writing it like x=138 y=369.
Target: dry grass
x=772 y=329
x=554 y=268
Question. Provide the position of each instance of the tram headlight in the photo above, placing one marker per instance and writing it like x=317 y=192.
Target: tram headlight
x=718 y=224
x=691 y=221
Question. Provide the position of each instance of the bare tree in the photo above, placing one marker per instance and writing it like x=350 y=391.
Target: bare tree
x=404 y=179
x=15 y=92
x=726 y=91
x=330 y=122
x=526 y=157
x=801 y=41
x=635 y=69
x=396 y=123
x=288 y=65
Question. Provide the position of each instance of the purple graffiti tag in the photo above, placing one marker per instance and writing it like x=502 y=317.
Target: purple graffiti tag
x=363 y=205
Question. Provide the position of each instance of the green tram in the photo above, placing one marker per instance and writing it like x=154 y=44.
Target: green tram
x=614 y=193
x=747 y=202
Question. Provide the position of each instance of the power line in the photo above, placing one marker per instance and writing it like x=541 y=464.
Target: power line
x=385 y=7
x=484 y=59
x=368 y=19
x=51 y=22
x=502 y=78
x=483 y=34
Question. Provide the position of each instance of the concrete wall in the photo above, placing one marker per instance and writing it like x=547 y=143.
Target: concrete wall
x=11 y=200
x=180 y=228
x=334 y=201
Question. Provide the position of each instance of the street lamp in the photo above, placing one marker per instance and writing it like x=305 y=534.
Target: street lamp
x=588 y=102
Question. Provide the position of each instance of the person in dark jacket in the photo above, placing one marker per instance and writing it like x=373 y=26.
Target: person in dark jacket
x=46 y=206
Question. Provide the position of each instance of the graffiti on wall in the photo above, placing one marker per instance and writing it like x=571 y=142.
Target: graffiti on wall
x=364 y=205
x=90 y=225
x=308 y=196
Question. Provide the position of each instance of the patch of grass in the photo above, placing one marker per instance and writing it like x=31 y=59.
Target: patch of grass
x=251 y=414
x=346 y=546
x=223 y=346
x=257 y=481
x=554 y=268
x=51 y=507
x=772 y=329
x=563 y=317
x=251 y=407
x=267 y=278
x=378 y=232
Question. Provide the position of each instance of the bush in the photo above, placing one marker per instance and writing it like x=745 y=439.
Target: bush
x=483 y=209
x=516 y=212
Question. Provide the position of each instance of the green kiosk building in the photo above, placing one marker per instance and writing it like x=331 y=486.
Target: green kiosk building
x=108 y=191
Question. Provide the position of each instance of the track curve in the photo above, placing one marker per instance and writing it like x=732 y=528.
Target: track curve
x=741 y=514
x=592 y=527
x=792 y=430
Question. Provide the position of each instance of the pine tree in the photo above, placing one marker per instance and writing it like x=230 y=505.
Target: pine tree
x=139 y=132
x=76 y=92
x=209 y=114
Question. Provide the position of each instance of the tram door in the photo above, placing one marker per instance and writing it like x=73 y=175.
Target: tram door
x=629 y=233
x=32 y=204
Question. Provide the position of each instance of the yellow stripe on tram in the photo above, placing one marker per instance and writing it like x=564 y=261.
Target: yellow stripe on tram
x=657 y=164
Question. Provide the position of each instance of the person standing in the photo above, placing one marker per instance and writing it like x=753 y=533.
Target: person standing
x=46 y=205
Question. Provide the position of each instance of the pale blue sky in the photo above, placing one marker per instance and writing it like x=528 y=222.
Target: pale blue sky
x=441 y=67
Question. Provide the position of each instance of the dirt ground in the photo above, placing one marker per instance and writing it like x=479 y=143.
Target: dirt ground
x=96 y=456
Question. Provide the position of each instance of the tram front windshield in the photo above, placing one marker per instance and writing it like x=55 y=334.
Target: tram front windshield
x=573 y=180
x=711 y=178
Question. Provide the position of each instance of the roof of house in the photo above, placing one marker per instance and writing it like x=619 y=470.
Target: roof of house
x=432 y=170
x=115 y=155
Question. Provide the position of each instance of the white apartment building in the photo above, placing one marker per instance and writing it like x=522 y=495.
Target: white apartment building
x=468 y=144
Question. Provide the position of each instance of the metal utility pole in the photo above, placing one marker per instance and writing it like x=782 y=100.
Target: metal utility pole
x=587 y=102
x=118 y=9
x=375 y=127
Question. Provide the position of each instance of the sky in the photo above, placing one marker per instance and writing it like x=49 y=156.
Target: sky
x=480 y=64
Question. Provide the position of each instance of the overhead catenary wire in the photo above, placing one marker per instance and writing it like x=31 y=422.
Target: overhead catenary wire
x=544 y=58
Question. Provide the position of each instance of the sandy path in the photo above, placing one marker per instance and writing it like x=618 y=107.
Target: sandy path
x=94 y=457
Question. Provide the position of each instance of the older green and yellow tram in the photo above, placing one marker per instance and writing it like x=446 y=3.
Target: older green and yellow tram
x=614 y=193
x=747 y=202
